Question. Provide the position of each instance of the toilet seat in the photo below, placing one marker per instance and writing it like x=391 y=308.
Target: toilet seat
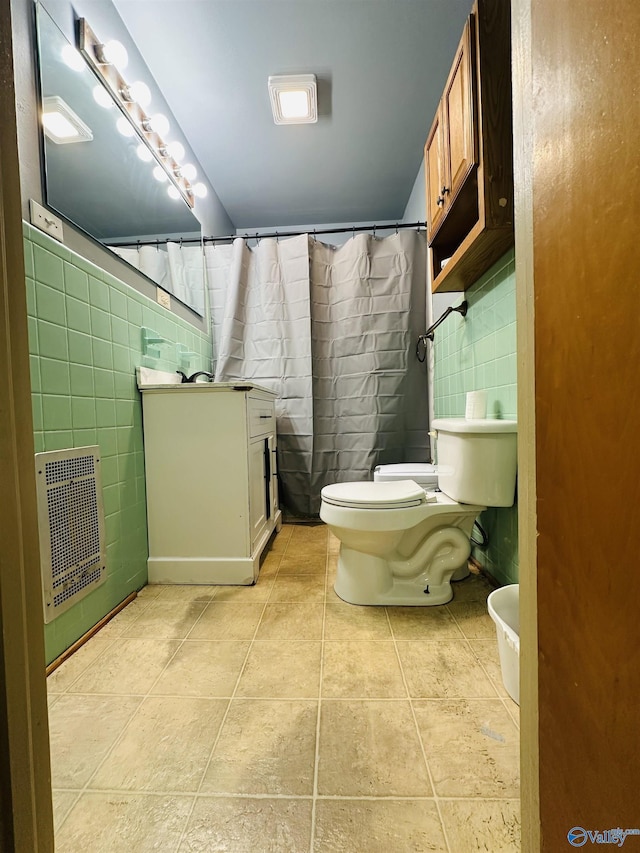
x=397 y=494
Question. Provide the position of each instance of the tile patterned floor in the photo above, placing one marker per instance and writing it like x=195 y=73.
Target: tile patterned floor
x=278 y=718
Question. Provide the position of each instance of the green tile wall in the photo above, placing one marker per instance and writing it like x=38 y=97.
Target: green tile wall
x=85 y=343
x=479 y=352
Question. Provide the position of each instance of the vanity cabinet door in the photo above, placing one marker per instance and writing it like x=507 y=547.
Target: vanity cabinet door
x=259 y=487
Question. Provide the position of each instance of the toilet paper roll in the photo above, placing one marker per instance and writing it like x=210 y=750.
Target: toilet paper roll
x=476 y=408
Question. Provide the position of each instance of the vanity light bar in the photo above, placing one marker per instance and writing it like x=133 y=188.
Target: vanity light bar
x=90 y=47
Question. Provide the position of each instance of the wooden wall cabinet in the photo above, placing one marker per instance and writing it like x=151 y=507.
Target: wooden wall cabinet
x=468 y=154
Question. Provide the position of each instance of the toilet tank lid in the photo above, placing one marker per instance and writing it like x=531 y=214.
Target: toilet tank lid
x=484 y=425
x=422 y=473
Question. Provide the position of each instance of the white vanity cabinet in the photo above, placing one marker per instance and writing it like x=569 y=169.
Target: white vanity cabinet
x=212 y=493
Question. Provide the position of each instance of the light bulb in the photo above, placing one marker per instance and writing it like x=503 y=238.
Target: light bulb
x=144 y=154
x=188 y=171
x=172 y=192
x=102 y=97
x=159 y=174
x=72 y=58
x=159 y=124
x=200 y=190
x=176 y=149
x=140 y=93
x=125 y=127
x=114 y=53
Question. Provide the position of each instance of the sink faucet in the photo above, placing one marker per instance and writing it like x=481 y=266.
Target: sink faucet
x=194 y=376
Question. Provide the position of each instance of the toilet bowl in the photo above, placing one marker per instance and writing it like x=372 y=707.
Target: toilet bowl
x=401 y=544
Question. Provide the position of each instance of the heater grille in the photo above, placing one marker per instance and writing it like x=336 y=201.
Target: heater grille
x=71 y=523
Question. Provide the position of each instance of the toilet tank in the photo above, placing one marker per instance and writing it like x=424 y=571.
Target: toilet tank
x=477 y=460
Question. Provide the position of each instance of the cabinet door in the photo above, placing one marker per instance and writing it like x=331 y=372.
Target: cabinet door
x=458 y=104
x=436 y=173
x=258 y=487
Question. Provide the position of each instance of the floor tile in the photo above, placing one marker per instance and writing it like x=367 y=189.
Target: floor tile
x=473 y=588
x=370 y=749
x=282 y=669
x=278 y=544
x=227 y=620
x=131 y=667
x=166 y=620
x=265 y=747
x=472 y=747
x=269 y=565
x=247 y=825
x=123 y=823
x=361 y=669
x=473 y=619
x=349 y=622
x=291 y=622
x=442 y=670
x=222 y=716
x=422 y=623
x=82 y=729
x=62 y=802
x=304 y=563
x=487 y=653
x=257 y=593
x=480 y=825
x=64 y=676
x=165 y=747
x=299 y=589
x=196 y=593
x=378 y=826
x=204 y=668
x=121 y=621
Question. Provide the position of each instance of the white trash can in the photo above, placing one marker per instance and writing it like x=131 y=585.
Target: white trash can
x=503 y=606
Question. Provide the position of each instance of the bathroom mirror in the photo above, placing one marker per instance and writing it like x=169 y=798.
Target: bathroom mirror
x=101 y=185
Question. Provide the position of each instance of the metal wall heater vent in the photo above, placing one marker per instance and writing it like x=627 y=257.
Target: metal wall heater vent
x=71 y=524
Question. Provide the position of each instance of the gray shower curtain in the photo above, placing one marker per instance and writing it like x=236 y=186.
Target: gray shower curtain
x=332 y=331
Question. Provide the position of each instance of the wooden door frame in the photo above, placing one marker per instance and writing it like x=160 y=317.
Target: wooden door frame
x=26 y=822
x=522 y=88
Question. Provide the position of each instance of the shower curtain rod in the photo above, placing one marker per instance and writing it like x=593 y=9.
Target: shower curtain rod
x=274 y=234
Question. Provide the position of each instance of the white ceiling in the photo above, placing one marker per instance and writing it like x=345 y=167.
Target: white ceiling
x=381 y=65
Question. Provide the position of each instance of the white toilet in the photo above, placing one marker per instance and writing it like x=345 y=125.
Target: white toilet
x=400 y=544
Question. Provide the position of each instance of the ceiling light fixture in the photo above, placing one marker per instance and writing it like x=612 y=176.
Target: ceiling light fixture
x=294 y=98
x=61 y=124
x=106 y=61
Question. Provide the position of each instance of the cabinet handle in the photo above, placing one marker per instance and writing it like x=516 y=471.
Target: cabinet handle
x=264 y=417
x=440 y=201
x=444 y=191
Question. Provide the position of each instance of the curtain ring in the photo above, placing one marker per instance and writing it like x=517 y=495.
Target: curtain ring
x=396 y=229
x=157 y=245
x=374 y=231
x=277 y=238
x=257 y=238
x=181 y=242
x=138 y=246
x=314 y=236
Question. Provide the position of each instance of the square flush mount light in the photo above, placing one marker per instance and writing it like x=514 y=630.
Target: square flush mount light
x=61 y=124
x=294 y=98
